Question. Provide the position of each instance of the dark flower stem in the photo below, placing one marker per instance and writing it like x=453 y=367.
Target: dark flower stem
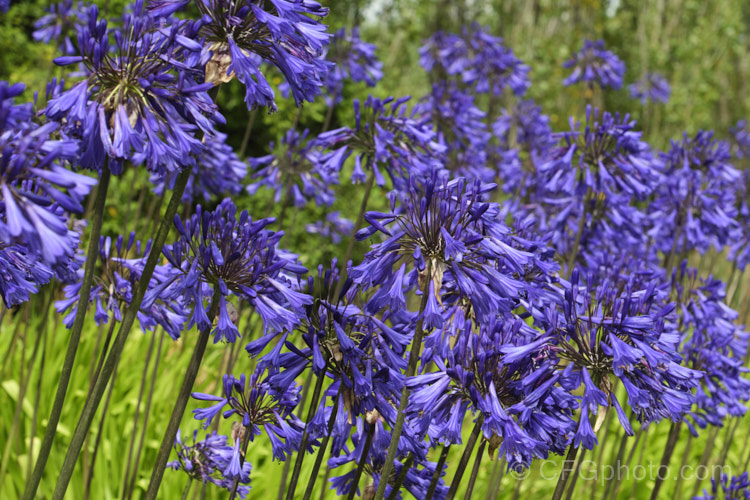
x=352 y=238
x=438 y=470
x=613 y=486
x=416 y=346
x=475 y=471
x=248 y=130
x=362 y=461
x=75 y=336
x=305 y=435
x=97 y=442
x=728 y=439
x=131 y=486
x=137 y=415
x=674 y=433
x=705 y=457
x=245 y=442
x=186 y=491
x=182 y=399
x=322 y=450
x=685 y=457
x=300 y=409
x=102 y=357
x=401 y=477
x=570 y=459
x=37 y=397
x=89 y=409
x=576 y=475
x=456 y=482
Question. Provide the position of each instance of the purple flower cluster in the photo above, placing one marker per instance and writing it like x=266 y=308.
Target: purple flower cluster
x=652 y=87
x=594 y=65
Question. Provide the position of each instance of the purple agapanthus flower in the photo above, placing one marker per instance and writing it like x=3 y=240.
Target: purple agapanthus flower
x=294 y=172
x=384 y=137
x=36 y=187
x=122 y=263
x=237 y=35
x=21 y=274
x=480 y=60
x=736 y=488
x=608 y=336
x=353 y=60
x=62 y=22
x=229 y=252
x=444 y=228
x=595 y=65
x=652 y=87
x=713 y=343
x=260 y=408
x=695 y=206
x=333 y=226
x=140 y=102
x=212 y=460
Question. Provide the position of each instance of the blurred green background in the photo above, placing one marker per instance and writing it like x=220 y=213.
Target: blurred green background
x=700 y=47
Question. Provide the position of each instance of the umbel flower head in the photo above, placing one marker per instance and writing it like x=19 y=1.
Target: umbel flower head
x=122 y=263
x=36 y=187
x=605 y=335
x=229 y=252
x=294 y=172
x=138 y=99
x=713 y=343
x=505 y=373
x=62 y=21
x=260 y=407
x=480 y=60
x=595 y=65
x=726 y=488
x=21 y=275
x=695 y=207
x=212 y=460
x=238 y=35
x=384 y=136
x=444 y=237
x=353 y=60
x=652 y=87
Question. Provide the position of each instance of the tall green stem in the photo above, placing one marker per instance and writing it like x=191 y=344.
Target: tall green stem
x=322 y=450
x=568 y=465
x=370 y=430
x=75 y=336
x=90 y=407
x=456 y=482
x=305 y=436
x=475 y=471
x=401 y=477
x=674 y=433
x=182 y=399
x=438 y=470
x=416 y=346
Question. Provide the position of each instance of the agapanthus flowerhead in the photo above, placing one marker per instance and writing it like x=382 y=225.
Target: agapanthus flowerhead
x=480 y=60
x=353 y=60
x=229 y=252
x=36 y=186
x=62 y=21
x=736 y=488
x=212 y=460
x=21 y=274
x=260 y=408
x=461 y=128
x=416 y=480
x=506 y=373
x=218 y=172
x=239 y=35
x=595 y=65
x=524 y=126
x=333 y=226
x=444 y=238
x=740 y=139
x=295 y=172
x=359 y=351
x=121 y=266
x=386 y=137
x=695 y=206
x=139 y=99
x=606 y=336
x=712 y=342
x=653 y=87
